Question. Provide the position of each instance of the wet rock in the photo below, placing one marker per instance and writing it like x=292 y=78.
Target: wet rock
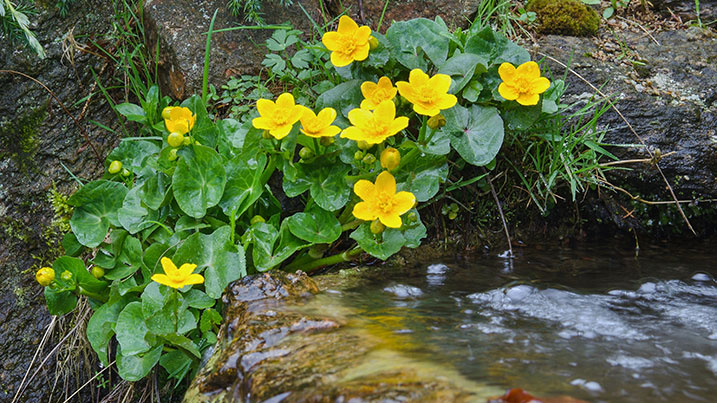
x=179 y=26
x=36 y=139
x=456 y=13
x=686 y=9
x=282 y=342
x=667 y=94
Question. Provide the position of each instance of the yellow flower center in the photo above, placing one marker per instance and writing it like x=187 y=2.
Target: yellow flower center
x=349 y=44
x=384 y=202
x=522 y=84
x=427 y=95
x=280 y=117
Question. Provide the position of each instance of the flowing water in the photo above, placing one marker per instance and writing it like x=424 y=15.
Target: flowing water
x=599 y=324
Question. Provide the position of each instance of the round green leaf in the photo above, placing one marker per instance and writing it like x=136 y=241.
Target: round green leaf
x=381 y=246
x=133 y=215
x=316 y=225
x=407 y=37
x=99 y=327
x=476 y=133
x=199 y=180
x=421 y=174
x=135 y=367
x=329 y=188
x=131 y=330
x=96 y=205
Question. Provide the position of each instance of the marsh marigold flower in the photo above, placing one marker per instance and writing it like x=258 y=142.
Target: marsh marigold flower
x=348 y=43
x=374 y=127
x=45 y=276
x=429 y=95
x=375 y=93
x=278 y=118
x=380 y=201
x=178 y=119
x=319 y=125
x=522 y=84
x=177 y=278
x=390 y=158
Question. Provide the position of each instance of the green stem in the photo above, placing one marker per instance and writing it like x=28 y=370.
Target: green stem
x=232 y=223
x=430 y=137
x=354 y=178
x=325 y=261
x=269 y=169
x=93 y=295
x=317 y=146
x=350 y=225
x=422 y=131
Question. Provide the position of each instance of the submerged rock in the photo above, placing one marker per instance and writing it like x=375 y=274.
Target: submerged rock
x=282 y=341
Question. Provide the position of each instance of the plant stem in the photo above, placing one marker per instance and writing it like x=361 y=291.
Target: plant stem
x=93 y=295
x=350 y=225
x=422 y=131
x=325 y=261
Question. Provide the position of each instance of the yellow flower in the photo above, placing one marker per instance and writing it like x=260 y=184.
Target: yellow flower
x=317 y=126
x=375 y=93
x=177 y=278
x=278 y=118
x=45 y=276
x=381 y=201
x=428 y=95
x=390 y=158
x=348 y=43
x=374 y=127
x=523 y=84
x=178 y=119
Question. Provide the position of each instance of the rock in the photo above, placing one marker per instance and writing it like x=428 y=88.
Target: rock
x=281 y=341
x=456 y=13
x=686 y=10
x=179 y=27
x=36 y=139
x=676 y=111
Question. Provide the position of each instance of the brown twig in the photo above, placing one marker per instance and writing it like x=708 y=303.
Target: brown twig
x=638 y=160
x=629 y=126
x=64 y=108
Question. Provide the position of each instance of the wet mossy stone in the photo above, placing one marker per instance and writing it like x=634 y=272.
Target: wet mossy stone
x=565 y=17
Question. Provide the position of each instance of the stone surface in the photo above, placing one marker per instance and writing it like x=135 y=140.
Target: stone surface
x=36 y=139
x=179 y=27
x=686 y=10
x=281 y=341
x=671 y=102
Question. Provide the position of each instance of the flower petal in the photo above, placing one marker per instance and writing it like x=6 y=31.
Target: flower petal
x=390 y=220
x=427 y=110
x=265 y=107
x=193 y=279
x=186 y=269
x=368 y=88
x=263 y=123
x=540 y=85
x=365 y=189
x=385 y=83
x=347 y=25
x=285 y=101
x=361 y=35
x=326 y=116
x=164 y=280
x=403 y=201
x=440 y=83
x=508 y=92
x=528 y=99
x=364 y=211
x=360 y=117
x=385 y=112
x=386 y=183
x=280 y=132
x=447 y=101
x=332 y=41
x=353 y=133
x=417 y=78
x=341 y=59
x=168 y=266
x=529 y=69
x=398 y=124
x=361 y=52
x=506 y=72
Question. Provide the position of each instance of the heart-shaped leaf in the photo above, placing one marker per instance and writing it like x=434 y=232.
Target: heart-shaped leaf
x=96 y=205
x=199 y=180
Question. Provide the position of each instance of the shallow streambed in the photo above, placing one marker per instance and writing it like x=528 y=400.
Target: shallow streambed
x=599 y=324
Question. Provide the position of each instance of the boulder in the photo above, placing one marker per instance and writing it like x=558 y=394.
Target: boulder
x=456 y=13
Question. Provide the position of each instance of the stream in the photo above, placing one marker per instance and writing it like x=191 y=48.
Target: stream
x=600 y=323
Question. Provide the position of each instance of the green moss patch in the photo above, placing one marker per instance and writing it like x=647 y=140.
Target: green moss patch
x=565 y=17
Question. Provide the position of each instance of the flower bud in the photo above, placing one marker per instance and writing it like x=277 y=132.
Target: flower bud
x=175 y=139
x=172 y=154
x=45 y=276
x=317 y=251
x=390 y=158
x=437 y=121
x=377 y=227
x=358 y=155
x=363 y=145
x=125 y=172
x=166 y=112
x=411 y=217
x=257 y=219
x=369 y=159
x=305 y=153
x=115 y=167
x=327 y=141
x=187 y=141
x=372 y=42
x=97 y=272
x=265 y=134
x=452 y=215
x=66 y=275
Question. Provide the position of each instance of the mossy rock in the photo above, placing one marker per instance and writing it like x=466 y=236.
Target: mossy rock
x=565 y=17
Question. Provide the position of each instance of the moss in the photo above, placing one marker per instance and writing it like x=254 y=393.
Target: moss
x=18 y=138
x=565 y=17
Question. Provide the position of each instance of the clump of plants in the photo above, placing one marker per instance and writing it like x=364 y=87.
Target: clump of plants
x=370 y=130
x=564 y=17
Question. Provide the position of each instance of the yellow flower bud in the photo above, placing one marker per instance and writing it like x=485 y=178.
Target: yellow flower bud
x=369 y=159
x=125 y=172
x=372 y=42
x=363 y=145
x=98 y=272
x=257 y=219
x=377 y=227
x=390 y=158
x=166 y=112
x=66 y=275
x=115 y=167
x=305 y=153
x=358 y=155
x=45 y=276
x=175 y=139
x=436 y=121
x=326 y=141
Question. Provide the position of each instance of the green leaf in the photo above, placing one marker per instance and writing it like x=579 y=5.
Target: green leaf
x=221 y=261
x=209 y=317
x=183 y=342
x=204 y=129
x=275 y=63
x=343 y=97
x=407 y=37
x=160 y=305
x=198 y=299
x=381 y=246
x=199 y=180
x=520 y=117
x=132 y=112
x=461 y=68
x=243 y=183
x=70 y=244
x=316 y=225
x=133 y=153
x=608 y=12
x=135 y=367
x=269 y=253
x=413 y=232
x=476 y=133
x=177 y=363
x=59 y=302
x=80 y=275
x=421 y=174
x=328 y=186
x=496 y=48
x=100 y=327
x=131 y=329
x=472 y=91
x=96 y=205
x=129 y=259
x=133 y=215
x=155 y=189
